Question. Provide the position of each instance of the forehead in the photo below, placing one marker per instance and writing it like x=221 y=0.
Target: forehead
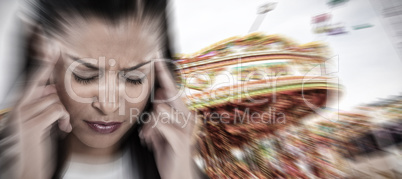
x=127 y=42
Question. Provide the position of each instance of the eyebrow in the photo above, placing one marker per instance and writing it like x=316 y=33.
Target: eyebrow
x=136 y=66
x=88 y=65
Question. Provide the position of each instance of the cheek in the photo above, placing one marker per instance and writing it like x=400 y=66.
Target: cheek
x=72 y=105
x=136 y=93
x=136 y=98
x=84 y=91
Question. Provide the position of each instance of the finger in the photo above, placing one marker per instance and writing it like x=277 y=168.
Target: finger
x=32 y=110
x=176 y=104
x=55 y=112
x=37 y=85
x=49 y=89
x=64 y=122
x=148 y=133
x=163 y=133
x=184 y=121
x=165 y=78
x=177 y=109
x=47 y=54
x=154 y=139
x=168 y=91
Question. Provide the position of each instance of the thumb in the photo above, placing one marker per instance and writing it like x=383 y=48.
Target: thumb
x=49 y=89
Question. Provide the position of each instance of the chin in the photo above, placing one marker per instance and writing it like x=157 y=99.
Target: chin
x=98 y=142
x=101 y=143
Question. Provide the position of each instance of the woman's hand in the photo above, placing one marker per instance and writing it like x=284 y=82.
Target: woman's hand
x=168 y=132
x=34 y=115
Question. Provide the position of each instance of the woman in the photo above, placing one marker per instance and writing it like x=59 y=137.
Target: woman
x=99 y=90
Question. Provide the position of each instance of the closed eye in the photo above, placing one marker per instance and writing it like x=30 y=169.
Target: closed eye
x=133 y=78
x=134 y=81
x=84 y=80
x=88 y=80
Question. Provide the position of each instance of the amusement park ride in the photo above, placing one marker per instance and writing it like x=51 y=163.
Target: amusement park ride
x=254 y=95
x=268 y=88
x=248 y=91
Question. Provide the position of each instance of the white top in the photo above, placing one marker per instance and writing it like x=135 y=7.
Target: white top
x=119 y=168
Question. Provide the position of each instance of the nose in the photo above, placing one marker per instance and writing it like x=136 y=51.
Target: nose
x=108 y=95
x=106 y=107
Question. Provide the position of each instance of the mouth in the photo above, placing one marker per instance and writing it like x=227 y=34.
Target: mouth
x=104 y=127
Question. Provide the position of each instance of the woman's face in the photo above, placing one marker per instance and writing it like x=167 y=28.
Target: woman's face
x=104 y=77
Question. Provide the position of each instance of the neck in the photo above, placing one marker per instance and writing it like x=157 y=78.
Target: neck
x=81 y=152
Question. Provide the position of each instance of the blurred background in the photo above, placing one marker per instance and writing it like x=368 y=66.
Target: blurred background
x=365 y=38
x=369 y=49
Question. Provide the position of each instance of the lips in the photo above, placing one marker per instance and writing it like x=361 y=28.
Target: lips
x=104 y=127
